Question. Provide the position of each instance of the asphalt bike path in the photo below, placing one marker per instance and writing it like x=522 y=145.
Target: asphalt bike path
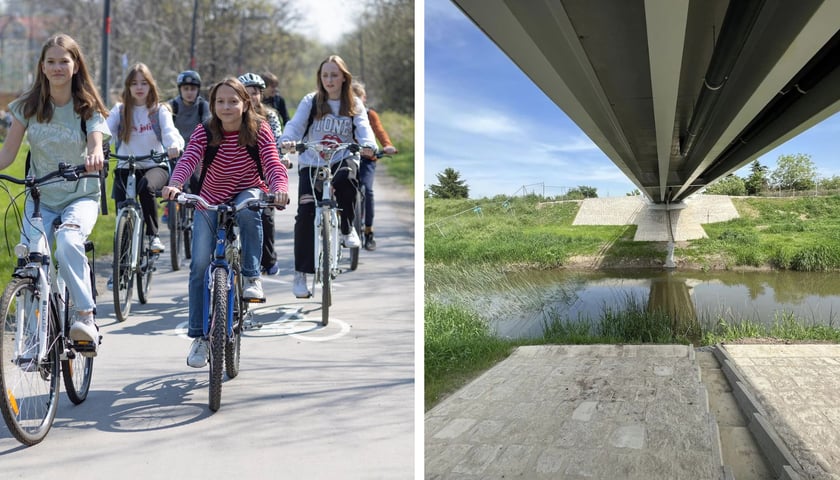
x=309 y=401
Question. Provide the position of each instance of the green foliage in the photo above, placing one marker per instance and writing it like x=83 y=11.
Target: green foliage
x=794 y=172
x=729 y=185
x=582 y=192
x=450 y=185
x=400 y=128
x=757 y=181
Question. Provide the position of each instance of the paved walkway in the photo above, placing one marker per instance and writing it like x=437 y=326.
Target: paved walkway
x=575 y=412
x=636 y=412
x=794 y=391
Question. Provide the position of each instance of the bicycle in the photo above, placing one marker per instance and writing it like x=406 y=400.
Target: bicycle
x=224 y=310
x=35 y=344
x=179 y=222
x=359 y=219
x=133 y=256
x=327 y=221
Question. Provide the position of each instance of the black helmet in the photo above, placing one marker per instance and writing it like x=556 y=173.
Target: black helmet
x=252 y=80
x=189 y=77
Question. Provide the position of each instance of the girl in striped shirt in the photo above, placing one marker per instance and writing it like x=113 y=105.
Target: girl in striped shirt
x=232 y=175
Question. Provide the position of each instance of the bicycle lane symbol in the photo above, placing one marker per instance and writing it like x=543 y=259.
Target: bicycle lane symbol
x=287 y=321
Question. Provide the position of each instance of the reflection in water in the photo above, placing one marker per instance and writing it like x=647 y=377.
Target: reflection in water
x=671 y=295
x=516 y=304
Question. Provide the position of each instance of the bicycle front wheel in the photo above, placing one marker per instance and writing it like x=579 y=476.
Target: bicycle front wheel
x=186 y=227
x=122 y=276
x=218 y=335
x=326 y=268
x=29 y=387
x=176 y=234
x=77 y=370
x=146 y=268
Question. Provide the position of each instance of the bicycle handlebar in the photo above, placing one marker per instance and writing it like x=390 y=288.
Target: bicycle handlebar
x=158 y=157
x=327 y=145
x=266 y=200
x=65 y=170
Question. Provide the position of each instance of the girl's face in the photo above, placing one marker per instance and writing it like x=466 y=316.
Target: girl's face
x=58 y=67
x=332 y=79
x=255 y=94
x=229 y=107
x=139 y=89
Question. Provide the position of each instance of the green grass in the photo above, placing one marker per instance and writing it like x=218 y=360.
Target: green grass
x=401 y=130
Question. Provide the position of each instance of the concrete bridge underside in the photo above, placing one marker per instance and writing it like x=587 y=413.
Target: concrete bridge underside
x=677 y=93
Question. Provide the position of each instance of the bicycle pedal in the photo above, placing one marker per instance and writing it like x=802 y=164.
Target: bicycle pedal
x=254 y=300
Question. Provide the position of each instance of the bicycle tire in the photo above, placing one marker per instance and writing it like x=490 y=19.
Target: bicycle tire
x=358 y=221
x=29 y=395
x=189 y=215
x=145 y=269
x=233 y=346
x=218 y=334
x=176 y=234
x=77 y=370
x=326 y=268
x=122 y=277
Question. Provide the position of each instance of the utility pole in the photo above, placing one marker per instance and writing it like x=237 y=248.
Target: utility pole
x=192 y=36
x=106 y=33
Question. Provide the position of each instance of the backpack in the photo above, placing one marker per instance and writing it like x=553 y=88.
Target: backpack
x=154 y=117
x=173 y=105
x=210 y=154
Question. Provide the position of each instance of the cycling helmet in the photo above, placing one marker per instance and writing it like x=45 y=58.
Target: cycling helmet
x=189 y=77
x=252 y=80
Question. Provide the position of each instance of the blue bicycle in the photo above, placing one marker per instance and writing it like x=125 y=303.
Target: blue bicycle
x=224 y=310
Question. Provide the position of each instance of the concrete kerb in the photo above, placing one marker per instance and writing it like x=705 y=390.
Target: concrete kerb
x=778 y=455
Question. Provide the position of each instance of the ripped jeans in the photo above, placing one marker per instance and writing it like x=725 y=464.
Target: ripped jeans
x=77 y=221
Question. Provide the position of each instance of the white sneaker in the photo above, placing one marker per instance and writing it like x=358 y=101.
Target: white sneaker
x=351 y=240
x=110 y=284
x=84 y=329
x=157 y=246
x=199 y=351
x=253 y=289
x=299 y=288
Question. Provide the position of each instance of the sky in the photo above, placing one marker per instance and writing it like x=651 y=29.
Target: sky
x=321 y=22
x=488 y=121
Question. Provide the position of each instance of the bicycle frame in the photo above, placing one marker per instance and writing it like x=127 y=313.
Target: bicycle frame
x=224 y=250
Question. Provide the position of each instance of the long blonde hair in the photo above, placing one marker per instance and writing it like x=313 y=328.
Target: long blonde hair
x=86 y=100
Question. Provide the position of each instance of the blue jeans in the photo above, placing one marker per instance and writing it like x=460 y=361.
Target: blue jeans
x=77 y=221
x=367 y=169
x=204 y=245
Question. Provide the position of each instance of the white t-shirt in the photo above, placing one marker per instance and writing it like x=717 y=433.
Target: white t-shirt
x=143 y=139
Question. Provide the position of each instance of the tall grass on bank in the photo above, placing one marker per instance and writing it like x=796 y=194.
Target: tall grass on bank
x=400 y=129
x=458 y=345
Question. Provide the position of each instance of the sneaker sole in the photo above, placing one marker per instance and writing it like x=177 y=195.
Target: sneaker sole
x=196 y=366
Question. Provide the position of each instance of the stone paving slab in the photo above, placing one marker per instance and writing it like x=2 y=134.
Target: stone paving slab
x=798 y=386
x=575 y=412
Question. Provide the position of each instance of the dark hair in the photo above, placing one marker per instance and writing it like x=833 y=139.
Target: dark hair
x=348 y=98
x=152 y=99
x=249 y=131
x=86 y=99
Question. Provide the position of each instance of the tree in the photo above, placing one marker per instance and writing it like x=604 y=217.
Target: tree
x=450 y=185
x=757 y=181
x=794 y=172
x=728 y=185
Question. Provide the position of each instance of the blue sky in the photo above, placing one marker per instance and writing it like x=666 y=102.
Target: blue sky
x=488 y=121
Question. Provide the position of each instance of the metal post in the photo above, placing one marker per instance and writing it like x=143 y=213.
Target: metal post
x=192 y=36
x=106 y=32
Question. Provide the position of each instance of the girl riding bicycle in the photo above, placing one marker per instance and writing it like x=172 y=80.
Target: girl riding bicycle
x=232 y=175
x=338 y=116
x=51 y=113
x=143 y=125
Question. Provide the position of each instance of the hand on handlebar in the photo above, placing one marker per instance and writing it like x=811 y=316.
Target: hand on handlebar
x=94 y=161
x=169 y=192
x=173 y=152
x=281 y=199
